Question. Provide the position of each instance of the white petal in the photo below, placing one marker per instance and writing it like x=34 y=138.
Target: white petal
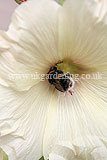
x=31 y=40
x=83 y=32
x=13 y=73
x=61 y=153
x=79 y=123
x=56 y=157
x=22 y=121
x=64 y=153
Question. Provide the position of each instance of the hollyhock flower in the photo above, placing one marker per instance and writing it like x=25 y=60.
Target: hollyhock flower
x=35 y=118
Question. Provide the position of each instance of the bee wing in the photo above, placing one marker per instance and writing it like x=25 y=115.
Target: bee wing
x=59 y=87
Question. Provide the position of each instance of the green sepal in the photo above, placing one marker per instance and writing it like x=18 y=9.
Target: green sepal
x=18 y=1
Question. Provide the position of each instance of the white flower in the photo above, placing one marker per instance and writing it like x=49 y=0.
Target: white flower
x=35 y=119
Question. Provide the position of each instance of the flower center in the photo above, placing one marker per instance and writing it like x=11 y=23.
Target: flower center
x=60 y=76
x=68 y=66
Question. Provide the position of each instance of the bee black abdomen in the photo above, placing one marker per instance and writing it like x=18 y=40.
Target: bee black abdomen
x=64 y=83
x=51 y=79
x=53 y=75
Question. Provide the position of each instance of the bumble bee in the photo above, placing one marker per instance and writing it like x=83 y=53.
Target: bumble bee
x=62 y=82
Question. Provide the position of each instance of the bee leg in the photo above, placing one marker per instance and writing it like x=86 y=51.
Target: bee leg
x=71 y=92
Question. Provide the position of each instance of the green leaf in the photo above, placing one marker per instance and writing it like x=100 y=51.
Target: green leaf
x=61 y=2
x=41 y=158
x=3 y=155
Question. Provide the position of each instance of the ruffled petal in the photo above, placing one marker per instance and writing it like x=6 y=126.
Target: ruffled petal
x=79 y=123
x=30 y=45
x=61 y=153
x=22 y=121
x=83 y=32
x=13 y=73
